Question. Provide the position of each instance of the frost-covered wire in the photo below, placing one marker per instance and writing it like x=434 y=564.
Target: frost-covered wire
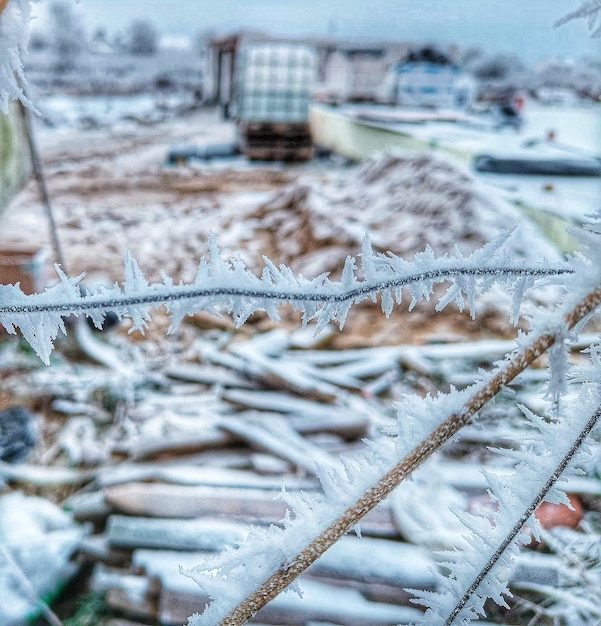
x=492 y=546
x=230 y=285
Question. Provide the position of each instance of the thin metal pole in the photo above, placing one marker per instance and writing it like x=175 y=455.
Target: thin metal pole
x=38 y=172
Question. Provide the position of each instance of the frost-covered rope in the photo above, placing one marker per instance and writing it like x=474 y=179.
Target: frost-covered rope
x=230 y=285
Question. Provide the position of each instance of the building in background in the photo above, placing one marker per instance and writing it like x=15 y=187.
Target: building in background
x=353 y=73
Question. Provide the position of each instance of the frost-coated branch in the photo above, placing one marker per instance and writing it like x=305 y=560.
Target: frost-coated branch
x=230 y=285
x=589 y=11
x=529 y=469
x=267 y=563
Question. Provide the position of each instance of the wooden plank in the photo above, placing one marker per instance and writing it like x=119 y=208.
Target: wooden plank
x=121 y=601
x=248 y=505
x=164 y=594
x=180 y=596
x=124 y=531
x=277 y=436
x=190 y=474
x=376 y=561
x=280 y=373
x=372 y=591
x=469 y=476
x=97 y=548
x=207 y=375
x=176 y=606
x=341 y=421
x=278 y=402
x=160 y=500
x=88 y=506
x=135 y=596
x=209 y=439
x=44 y=475
x=393 y=563
x=320 y=602
x=333 y=420
x=261 y=358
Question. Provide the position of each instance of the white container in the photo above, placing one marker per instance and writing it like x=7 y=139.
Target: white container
x=275 y=82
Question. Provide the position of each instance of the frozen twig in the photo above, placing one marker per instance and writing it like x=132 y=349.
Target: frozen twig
x=590 y=11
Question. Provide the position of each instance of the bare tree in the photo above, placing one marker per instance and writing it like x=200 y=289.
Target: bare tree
x=143 y=38
x=68 y=35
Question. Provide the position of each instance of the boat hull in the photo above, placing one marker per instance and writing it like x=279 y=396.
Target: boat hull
x=356 y=139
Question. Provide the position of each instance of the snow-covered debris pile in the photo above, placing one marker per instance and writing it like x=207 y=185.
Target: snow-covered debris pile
x=38 y=540
x=405 y=201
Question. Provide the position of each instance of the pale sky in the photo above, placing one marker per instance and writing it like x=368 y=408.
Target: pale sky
x=524 y=27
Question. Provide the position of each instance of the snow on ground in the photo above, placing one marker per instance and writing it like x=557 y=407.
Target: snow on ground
x=109 y=111
x=405 y=201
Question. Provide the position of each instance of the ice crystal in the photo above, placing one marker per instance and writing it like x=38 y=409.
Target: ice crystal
x=14 y=35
